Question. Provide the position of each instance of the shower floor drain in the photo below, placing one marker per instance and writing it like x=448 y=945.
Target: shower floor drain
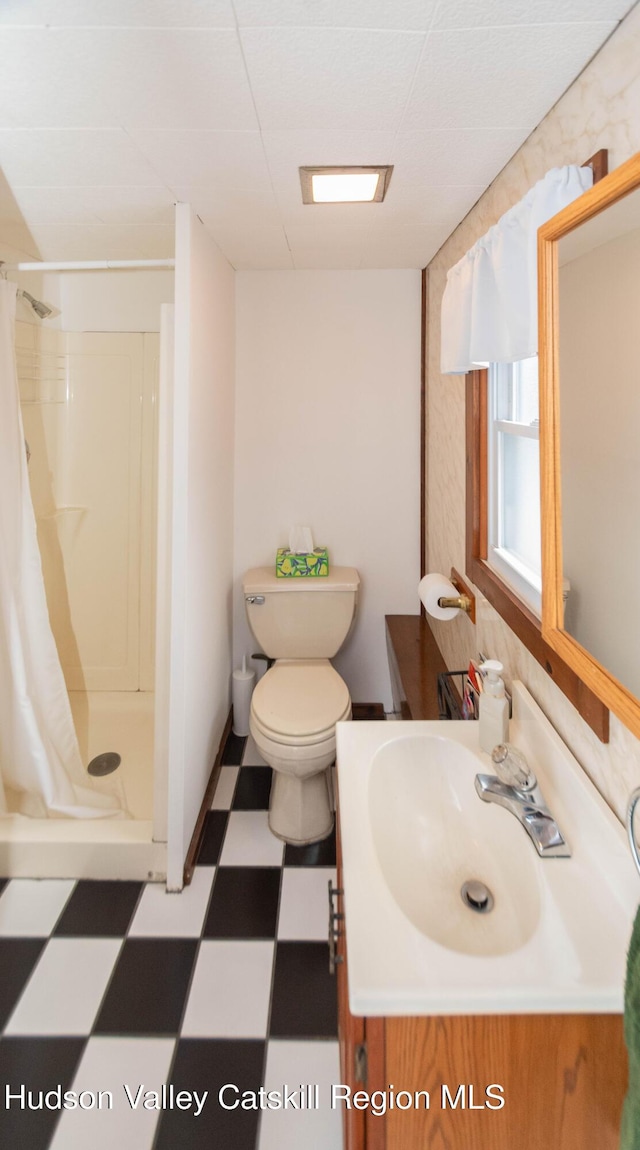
x=476 y=896
x=104 y=764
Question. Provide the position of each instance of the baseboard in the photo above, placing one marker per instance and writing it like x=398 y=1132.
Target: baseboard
x=194 y=845
x=367 y=711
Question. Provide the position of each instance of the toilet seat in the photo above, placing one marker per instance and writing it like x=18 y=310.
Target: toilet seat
x=299 y=701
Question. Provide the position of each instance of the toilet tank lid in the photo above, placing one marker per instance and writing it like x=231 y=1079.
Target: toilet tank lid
x=260 y=580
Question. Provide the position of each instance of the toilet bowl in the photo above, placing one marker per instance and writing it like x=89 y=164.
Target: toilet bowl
x=294 y=711
x=297 y=703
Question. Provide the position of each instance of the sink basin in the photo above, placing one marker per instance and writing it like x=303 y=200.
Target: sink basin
x=432 y=835
x=413 y=831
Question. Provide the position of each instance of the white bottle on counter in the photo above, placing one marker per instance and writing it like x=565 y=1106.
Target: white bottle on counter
x=493 y=707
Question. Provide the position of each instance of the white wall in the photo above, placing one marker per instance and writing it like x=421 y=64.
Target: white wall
x=328 y=434
x=201 y=525
x=114 y=300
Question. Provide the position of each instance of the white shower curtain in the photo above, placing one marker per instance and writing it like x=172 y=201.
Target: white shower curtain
x=41 y=771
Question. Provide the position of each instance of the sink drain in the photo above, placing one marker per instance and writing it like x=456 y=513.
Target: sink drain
x=476 y=896
x=104 y=764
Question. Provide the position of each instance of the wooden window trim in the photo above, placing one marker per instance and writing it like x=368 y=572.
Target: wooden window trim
x=514 y=612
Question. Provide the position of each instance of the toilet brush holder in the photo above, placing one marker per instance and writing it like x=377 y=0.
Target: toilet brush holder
x=242 y=684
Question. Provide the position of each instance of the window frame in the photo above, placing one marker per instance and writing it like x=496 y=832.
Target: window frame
x=516 y=614
x=526 y=582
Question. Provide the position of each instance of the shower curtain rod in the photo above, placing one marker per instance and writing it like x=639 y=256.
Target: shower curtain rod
x=85 y=265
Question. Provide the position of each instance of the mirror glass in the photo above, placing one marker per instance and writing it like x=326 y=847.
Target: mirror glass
x=599 y=435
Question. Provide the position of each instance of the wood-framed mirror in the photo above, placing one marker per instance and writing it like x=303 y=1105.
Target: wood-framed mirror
x=589 y=345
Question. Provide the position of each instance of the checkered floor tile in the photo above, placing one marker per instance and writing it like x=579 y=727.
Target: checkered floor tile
x=112 y=985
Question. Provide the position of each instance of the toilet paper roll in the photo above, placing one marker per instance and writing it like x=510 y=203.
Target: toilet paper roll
x=242 y=684
x=434 y=587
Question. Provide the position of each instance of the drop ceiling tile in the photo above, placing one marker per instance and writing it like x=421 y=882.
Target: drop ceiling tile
x=49 y=79
x=253 y=248
x=67 y=242
x=327 y=217
x=498 y=77
x=441 y=207
x=206 y=159
x=458 y=156
x=119 y=13
x=319 y=233
x=286 y=151
x=333 y=248
x=403 y=247
x=174 y=78
x=155 y=241
x=132 y=205
x=413 y=15
x=42 y=209
x=63 y=158
x=330 y=78
x=16 y=242
x=9 y=208
x=231 y=207
x=471 y=14
x=129 y=205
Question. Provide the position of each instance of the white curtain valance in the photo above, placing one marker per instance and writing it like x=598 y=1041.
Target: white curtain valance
x=490 y=303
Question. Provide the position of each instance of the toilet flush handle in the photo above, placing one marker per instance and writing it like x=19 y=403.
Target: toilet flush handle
x=257 y=599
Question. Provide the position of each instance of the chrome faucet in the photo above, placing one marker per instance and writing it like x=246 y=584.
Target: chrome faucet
x=515 y=787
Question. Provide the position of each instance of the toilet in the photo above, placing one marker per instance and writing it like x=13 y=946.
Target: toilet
x=301 y=623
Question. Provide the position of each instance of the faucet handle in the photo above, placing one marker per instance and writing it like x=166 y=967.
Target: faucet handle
x=512 y=768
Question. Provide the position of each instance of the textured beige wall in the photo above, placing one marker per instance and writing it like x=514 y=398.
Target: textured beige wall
x=600 y=110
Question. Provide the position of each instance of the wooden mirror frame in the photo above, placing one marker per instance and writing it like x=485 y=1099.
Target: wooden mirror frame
x=598 y=678
x=503 y=599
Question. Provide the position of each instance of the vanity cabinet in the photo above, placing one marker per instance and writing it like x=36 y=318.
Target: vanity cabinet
x=563 y=1076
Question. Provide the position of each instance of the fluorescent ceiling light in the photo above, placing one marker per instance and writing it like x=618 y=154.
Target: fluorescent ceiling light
x=347 y=185
x=347 y=188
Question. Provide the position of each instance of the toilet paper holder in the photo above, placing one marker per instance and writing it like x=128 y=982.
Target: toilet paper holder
x=465 y=600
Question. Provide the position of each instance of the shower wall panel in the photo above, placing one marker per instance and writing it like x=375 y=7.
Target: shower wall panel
x=89 y=414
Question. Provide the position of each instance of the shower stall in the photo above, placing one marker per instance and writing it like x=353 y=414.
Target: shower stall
x=127 y=403
x=89 y=403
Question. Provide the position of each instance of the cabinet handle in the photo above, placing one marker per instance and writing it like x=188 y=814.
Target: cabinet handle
x=334 y=933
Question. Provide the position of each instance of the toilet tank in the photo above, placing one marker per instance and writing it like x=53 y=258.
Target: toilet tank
x=301 y=618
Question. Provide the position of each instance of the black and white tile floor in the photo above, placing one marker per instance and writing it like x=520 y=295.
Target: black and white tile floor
x=106 y=985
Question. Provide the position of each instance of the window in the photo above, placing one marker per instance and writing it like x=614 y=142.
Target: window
x=513 y=458
x=517 y=614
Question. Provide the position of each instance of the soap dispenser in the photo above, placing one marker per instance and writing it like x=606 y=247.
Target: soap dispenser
x=494 y=707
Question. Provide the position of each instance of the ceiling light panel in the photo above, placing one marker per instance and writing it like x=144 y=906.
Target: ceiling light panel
x=345 y=185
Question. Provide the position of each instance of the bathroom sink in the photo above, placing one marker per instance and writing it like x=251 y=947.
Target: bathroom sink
x=432 y=837
x=530 y=934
